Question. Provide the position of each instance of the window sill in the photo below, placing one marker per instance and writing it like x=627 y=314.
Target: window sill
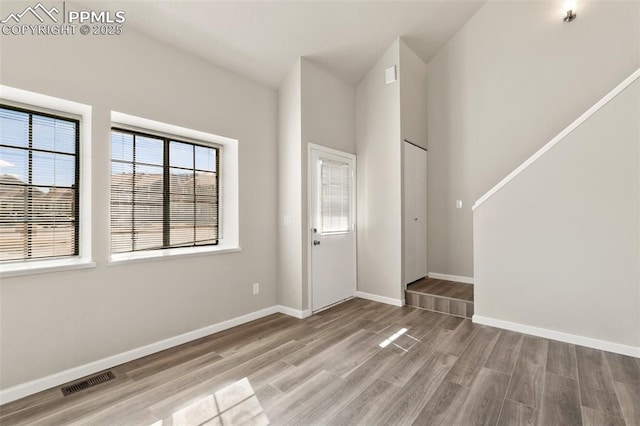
x=146 y=256
x=44 y=266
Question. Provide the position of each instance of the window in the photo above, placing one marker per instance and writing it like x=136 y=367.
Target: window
x=164 y=192
x=335 y=182
x=39 y=185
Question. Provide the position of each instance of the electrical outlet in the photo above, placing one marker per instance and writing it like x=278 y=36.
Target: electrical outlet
x=256 y=288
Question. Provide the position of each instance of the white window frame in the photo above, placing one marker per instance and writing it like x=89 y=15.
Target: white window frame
x=228 y=221
x=44 y=103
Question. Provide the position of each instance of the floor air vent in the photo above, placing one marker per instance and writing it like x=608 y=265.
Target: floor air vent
x=87 y=383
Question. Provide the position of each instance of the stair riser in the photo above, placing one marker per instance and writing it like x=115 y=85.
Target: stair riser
x=440 y=304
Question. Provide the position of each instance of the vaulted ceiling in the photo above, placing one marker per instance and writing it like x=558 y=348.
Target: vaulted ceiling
x=261 y=40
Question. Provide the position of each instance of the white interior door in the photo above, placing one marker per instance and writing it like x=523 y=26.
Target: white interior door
x=332 y=233
x=415 y=213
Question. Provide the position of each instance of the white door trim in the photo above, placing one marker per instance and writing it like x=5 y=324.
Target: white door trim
x=313 y=146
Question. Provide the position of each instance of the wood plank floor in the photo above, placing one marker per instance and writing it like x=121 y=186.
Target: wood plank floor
x=358 y=363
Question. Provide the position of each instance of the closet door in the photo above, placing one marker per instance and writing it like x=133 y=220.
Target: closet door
x=415 y=213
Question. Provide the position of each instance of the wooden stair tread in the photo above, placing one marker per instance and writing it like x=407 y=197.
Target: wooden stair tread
x=449 y=289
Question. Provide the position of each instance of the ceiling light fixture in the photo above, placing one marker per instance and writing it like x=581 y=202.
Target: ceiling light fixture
x=570 y=10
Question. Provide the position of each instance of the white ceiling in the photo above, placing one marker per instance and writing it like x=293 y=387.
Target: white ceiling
x=261 y=40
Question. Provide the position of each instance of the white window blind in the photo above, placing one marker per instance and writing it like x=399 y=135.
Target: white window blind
x=164 y=193
x=39 y=184
x=335 y=208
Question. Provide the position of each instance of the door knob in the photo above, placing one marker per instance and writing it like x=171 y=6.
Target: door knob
x=316 y=242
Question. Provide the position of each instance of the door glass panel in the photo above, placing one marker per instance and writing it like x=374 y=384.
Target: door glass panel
x=335 y=209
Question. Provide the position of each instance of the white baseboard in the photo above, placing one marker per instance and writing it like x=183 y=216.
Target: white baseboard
x=296 y=313
x=458 y=278
x=561 y=336
x=57 y=379
x=381 y=299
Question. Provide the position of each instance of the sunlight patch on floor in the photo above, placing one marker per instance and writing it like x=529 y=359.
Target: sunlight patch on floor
x=393 y=337
x=235 y=404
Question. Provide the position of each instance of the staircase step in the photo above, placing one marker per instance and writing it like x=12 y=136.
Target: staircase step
x=442 y=296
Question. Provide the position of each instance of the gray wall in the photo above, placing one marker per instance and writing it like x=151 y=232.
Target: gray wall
x=328 y=119
x=290 y=275
x=55 y=321
x=510 y=80
x=378 y=147
x=413 y=97
x=328 y=109
x=385 y=115
x=558 y=247
x=315 y=107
